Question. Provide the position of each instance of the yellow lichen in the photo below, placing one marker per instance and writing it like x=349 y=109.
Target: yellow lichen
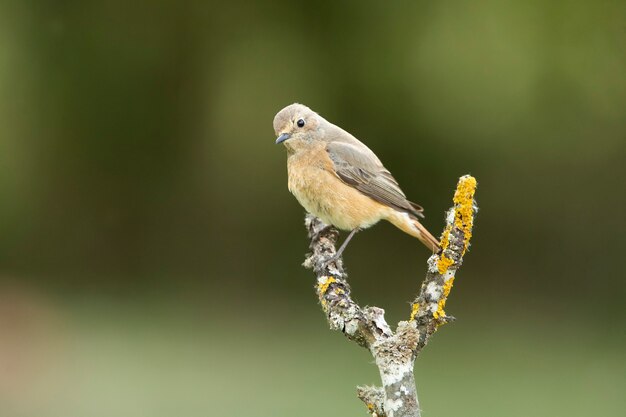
x=323 y=286
x=463 y=220
x=370 y=406
x=464 y=207
x=440 y=313
x=444 y=263
x=447 y=287
x=414 y=309
x=445 y=238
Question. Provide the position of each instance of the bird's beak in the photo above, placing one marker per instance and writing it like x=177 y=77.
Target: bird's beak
x=283 y=137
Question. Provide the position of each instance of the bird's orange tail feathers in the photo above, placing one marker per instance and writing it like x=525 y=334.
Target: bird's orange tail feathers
x=413 y=227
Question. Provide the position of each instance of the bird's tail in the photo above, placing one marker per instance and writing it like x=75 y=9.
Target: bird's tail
x=413 y=227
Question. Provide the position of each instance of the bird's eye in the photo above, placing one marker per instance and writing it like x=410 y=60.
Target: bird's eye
x=300 y=122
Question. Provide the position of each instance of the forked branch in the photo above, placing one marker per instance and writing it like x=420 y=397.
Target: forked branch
x=394 y=351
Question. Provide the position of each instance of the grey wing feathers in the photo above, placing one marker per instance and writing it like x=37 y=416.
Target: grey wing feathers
x=359 y=167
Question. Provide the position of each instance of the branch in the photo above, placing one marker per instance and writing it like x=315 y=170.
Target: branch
x=428 y=308
x=393 y=352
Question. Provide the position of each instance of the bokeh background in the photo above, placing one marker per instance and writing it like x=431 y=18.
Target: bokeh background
x=150 y=251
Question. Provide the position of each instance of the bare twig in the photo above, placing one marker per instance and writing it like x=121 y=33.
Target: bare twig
x=393 y=352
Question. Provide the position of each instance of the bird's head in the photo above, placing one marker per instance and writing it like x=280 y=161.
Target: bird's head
x=295 y=126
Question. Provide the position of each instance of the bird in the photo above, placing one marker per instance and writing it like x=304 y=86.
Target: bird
x=338 y=179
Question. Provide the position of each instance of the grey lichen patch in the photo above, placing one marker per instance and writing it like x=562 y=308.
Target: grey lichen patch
x=374 y=399
x=376 y=317
x=395 y=355
x=407 y=335
x=455 y=247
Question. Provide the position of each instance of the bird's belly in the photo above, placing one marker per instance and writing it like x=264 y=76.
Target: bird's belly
x=324 y=195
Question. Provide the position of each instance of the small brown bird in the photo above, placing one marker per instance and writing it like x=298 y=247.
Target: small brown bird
x=340 y=180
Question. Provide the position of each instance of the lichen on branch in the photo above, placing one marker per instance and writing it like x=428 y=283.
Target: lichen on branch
x=428 y=308
x=394 y=352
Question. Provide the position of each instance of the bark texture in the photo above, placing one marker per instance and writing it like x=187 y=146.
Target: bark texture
x=394 y=352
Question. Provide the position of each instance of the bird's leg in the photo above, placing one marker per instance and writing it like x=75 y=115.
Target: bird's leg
x=337 y=255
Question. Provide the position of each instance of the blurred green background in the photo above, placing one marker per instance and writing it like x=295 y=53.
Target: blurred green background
x=150 y=251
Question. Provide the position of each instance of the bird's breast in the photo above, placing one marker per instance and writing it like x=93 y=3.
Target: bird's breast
x=308 y=176
x=318 y=189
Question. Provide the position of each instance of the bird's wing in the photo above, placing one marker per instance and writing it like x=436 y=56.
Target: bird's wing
x=359 y=167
